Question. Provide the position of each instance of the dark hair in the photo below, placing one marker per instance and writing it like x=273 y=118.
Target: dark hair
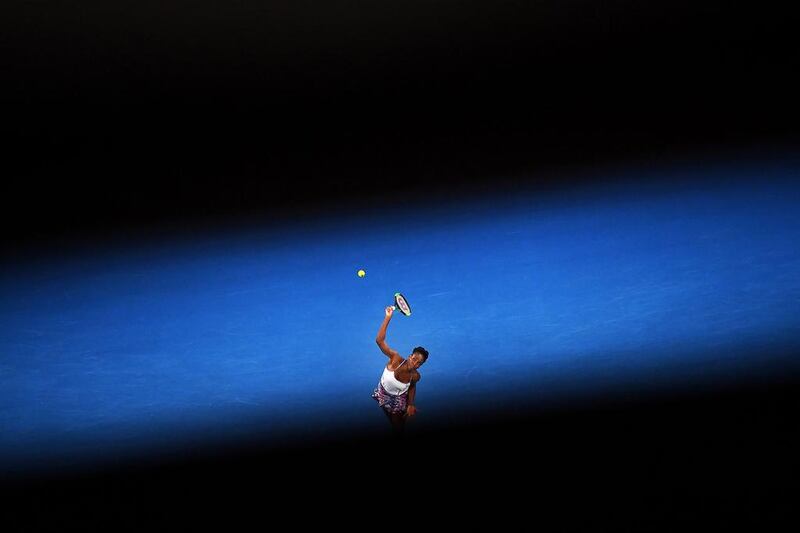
x=422 y=351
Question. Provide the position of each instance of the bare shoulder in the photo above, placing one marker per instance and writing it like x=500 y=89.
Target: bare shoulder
x=416 y=376
x=394 y=362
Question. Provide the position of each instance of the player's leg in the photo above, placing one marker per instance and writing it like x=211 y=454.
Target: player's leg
x=398 y=424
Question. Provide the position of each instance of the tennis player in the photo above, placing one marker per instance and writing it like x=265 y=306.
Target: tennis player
x=397 y=388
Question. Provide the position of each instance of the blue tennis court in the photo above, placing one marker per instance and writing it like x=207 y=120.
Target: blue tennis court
x=640 y=281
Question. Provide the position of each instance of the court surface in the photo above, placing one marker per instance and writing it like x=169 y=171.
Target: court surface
x=642 y=282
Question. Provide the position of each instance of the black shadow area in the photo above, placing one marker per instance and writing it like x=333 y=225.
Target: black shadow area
x=129 y=117
x=727 y=455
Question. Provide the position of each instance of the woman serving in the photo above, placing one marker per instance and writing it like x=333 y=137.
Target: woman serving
x=397 y=388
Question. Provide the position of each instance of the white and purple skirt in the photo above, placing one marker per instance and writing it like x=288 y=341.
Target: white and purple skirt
x=390 y=403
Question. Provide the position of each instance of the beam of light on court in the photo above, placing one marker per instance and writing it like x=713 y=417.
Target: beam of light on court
x=635 y=283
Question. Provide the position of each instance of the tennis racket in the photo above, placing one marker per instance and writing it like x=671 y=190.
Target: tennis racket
x=401 y=303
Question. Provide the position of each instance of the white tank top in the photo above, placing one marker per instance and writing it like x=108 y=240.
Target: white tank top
x=391 y=384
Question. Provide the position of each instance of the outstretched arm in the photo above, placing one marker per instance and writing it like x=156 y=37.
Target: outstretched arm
x=381 y=338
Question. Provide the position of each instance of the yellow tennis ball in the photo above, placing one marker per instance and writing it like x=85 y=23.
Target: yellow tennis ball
x=361 y=273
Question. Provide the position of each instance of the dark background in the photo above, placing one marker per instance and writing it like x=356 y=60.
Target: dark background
x=129 y=113
x=125 y=117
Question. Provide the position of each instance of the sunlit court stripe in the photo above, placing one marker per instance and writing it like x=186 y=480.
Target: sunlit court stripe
x=634 y=283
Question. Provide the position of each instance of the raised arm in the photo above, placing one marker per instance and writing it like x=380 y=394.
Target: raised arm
x=381 y=338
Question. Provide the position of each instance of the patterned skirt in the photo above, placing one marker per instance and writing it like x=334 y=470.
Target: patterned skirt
x=390 y=403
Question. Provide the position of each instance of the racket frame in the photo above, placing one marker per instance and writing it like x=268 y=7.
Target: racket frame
x=397 y=298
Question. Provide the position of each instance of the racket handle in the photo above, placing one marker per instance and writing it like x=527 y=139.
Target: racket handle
x=394 y=308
